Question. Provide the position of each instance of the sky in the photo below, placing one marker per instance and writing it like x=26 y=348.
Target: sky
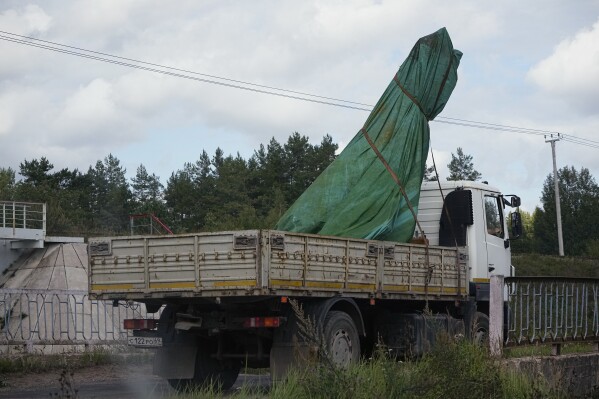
x=532 y=65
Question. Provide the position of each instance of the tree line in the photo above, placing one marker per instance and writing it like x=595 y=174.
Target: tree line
x=225 y=192
x=217 y=192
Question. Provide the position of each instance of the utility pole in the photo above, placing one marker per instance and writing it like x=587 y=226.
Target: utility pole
x=558 y=210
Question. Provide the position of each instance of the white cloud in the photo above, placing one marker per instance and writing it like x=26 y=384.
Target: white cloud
x=75 y=111
x=27 y=20
x=572 y=71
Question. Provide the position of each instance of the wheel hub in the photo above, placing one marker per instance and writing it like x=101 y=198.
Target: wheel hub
x=341 y=348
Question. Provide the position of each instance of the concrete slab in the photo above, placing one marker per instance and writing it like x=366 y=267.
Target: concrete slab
x=50 y=256
x=58 y=279
x=58 y=266
x=76 y=278
x=30 y=259
x=70 y=257
x=18 y=278
x=40 y=279
x=81 y=250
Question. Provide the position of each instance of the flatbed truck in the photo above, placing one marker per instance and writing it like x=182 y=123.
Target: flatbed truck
x=225 y=297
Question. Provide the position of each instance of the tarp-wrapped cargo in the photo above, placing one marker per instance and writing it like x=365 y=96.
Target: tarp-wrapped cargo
x=357 y=196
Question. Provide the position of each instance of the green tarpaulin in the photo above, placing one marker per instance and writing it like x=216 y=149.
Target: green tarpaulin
x=356 y=196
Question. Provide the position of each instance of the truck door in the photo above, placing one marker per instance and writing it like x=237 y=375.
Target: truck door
x=498 y=256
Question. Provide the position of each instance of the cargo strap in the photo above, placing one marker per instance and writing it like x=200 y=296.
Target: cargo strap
x=414 y=100
x=410 y=96
x=405 y=195
x=395 y=179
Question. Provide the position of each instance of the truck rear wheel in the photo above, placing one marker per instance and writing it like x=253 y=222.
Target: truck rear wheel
x=209 y=372
x=480 y=329
x=342 y=341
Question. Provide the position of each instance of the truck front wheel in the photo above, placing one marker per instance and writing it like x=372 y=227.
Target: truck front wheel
x=209 y=372
x=342 y=341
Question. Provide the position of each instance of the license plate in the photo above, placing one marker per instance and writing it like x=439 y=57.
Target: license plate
x=145 y=342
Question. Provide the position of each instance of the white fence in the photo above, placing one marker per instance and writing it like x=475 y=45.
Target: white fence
x=543 y=310
x=32 y=318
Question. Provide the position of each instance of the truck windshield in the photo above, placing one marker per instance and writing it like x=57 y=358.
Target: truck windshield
x=493 y=216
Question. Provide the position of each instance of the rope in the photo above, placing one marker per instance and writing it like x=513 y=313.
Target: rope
x=455 y=241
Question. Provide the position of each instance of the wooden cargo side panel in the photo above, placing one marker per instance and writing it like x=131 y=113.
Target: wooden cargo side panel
x=222 y=264
x=254 y=262
x=417 y=270
x=122 y=269
x=171 y=263
x=206 y=261
x=318 y=263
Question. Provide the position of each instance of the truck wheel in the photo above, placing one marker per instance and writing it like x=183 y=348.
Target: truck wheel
x=480 y=329
x=342 y=341
x=209 y=372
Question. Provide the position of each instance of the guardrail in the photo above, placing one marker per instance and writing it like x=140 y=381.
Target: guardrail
x=63 y=317
x=24 y=215
x=544 y=310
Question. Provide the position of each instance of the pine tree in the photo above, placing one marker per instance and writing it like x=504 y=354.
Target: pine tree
x=461 y=167
x=147 y=192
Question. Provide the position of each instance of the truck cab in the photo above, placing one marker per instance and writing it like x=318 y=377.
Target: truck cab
x=471 y=215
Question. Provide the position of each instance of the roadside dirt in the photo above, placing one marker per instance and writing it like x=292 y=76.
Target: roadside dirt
x=50 y=380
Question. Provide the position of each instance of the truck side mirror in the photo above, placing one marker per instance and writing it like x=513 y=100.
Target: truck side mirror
x=514 y=200
x=516 y=221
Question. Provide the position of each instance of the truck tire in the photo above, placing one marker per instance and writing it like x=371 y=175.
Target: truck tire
x=480 y=329
x=341 y=339
x=209 y=372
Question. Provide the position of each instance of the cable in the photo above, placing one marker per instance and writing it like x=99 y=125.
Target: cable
x=573 y=141
x=181 y=73
x=582 y=139
x=185 y=70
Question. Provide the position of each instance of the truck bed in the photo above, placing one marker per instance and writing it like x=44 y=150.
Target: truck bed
x=270 y=262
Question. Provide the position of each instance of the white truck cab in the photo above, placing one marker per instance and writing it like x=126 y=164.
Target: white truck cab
x=475 y=218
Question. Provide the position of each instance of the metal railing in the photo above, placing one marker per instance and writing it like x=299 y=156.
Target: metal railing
x=22 y=215
x=25 y=215
x=63 y=317
x=551 y=310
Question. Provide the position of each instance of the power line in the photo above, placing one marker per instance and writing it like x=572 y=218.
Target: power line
x=176 y=74
x=179 y=70
x=264 y=89
x=579 y=142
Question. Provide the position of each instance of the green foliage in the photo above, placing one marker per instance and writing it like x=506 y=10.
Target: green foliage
x=429 y=173
x=222 y=192
x=226 y=192
x=453 y=369
x=555 y=266
x=579 y=203
x=461 y=167
x=7 y=183
x=525 y=243
x=147 y=192
x=36 y=172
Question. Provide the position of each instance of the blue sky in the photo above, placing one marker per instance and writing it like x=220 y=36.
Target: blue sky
x=524 y=65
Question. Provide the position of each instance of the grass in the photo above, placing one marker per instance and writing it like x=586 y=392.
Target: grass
x=453 y=369
x=545 y=349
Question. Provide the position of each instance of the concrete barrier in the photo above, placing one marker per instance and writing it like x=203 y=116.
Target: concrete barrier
x=577 y=374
